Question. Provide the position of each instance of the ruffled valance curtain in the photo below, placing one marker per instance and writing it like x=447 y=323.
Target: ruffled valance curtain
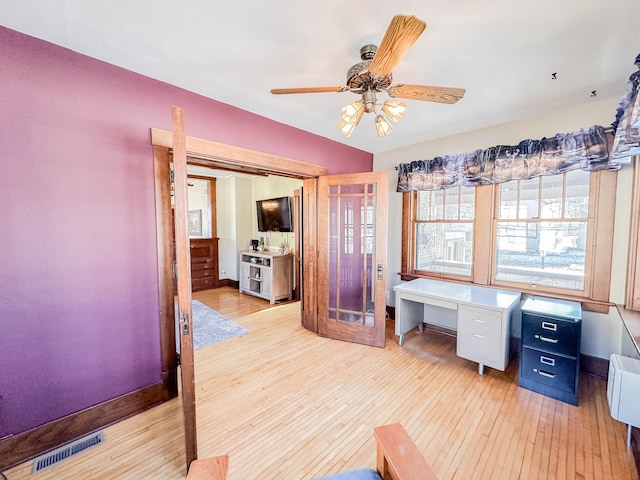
x=626 y=142
x=586 y=149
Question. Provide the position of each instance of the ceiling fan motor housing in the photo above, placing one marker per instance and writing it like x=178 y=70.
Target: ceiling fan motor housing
x=358 y=78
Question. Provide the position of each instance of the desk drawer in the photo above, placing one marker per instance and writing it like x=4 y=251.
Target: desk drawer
x=479 y=318
x=548 y=369
x=480 y=337
x=438 y=302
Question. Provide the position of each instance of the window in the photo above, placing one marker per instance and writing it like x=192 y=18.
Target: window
x=533 y=236
x=443 y=226
x=541 y=230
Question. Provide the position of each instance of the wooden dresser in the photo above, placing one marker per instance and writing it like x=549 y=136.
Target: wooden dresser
x=204 y=263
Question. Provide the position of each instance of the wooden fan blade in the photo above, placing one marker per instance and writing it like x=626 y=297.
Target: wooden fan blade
x=284 y=91
x=402 y=33
x=426 y=93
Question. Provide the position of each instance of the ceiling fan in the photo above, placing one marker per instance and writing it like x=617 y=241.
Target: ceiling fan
x=373 y=75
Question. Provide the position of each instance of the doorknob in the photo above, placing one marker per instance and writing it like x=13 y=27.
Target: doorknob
x=380 y=270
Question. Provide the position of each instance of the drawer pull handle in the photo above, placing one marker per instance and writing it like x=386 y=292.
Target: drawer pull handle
x=547 y=339
x=479 y=320
x=548 y=361
x=550 y=326
x=477 y=335
x=545 y=374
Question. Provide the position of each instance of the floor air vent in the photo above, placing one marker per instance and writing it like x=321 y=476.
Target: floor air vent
x=70 y=449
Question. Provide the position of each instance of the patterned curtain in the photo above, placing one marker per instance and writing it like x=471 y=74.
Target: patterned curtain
x=586 y=149
x=626 y=142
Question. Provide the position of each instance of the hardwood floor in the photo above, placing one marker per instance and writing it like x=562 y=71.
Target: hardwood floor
x=286 y=404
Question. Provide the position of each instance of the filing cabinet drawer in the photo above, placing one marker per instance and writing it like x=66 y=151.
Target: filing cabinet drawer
x=548 y=369
x=550 y=334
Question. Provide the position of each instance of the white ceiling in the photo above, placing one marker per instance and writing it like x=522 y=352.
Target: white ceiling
x=502 y=51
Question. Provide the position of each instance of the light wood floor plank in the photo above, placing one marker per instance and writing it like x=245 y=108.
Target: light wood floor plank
x=287 y=404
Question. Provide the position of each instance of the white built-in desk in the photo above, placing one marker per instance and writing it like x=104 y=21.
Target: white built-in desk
x=483 y=316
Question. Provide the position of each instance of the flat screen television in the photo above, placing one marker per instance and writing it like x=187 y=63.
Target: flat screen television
x=274 y=215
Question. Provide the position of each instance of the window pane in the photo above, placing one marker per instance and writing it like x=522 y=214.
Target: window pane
x=467 y=203
x=529 y=198
x=351 y=189
x=551 y=204
x=451 y=197
x=424 y=205
x=508 y=201
x=437 y=205
x=542 y=253
x=577 y=194
x=444 y=248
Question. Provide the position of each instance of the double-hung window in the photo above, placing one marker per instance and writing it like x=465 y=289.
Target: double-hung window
x=443 y=231
x=536 y=235
x=541 y=230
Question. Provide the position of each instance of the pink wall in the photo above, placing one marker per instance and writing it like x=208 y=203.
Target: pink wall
x=78 y=263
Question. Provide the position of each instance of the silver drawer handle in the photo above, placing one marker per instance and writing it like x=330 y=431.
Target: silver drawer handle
x=479 y=320
x=546 y=339
x=548 y=361
x=477 y=335
x=545 y=374
x=550 y=326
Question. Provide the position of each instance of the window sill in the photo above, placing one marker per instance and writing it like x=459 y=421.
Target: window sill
x=631 y=321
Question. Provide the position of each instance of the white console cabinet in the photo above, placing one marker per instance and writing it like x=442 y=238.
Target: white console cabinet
x=266 y=274
x=623 y=391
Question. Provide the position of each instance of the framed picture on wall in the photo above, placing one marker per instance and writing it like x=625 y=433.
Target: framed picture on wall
x=195 y=223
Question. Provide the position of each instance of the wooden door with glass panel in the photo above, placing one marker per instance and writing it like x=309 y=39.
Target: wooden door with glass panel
x=352 y=243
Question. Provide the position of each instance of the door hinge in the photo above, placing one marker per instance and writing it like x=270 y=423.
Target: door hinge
x=175 y=270
x=177 y=359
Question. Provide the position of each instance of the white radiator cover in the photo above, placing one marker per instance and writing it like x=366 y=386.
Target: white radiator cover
x=623 y=389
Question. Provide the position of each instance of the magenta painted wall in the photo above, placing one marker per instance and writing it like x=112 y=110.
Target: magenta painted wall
x=78 y=264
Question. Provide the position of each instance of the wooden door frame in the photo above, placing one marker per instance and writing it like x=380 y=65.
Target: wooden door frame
x=183 y=286
x=214 y=155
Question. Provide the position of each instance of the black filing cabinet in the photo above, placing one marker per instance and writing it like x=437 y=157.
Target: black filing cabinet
x=550 y=348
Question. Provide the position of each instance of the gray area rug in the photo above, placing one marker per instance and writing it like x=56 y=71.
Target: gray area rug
x=210 y=327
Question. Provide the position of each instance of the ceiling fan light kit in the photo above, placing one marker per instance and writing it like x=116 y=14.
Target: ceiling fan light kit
x=383 y=127
x=346 y=128
x=373 y=75
x=353 y=112
x=395 y=109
